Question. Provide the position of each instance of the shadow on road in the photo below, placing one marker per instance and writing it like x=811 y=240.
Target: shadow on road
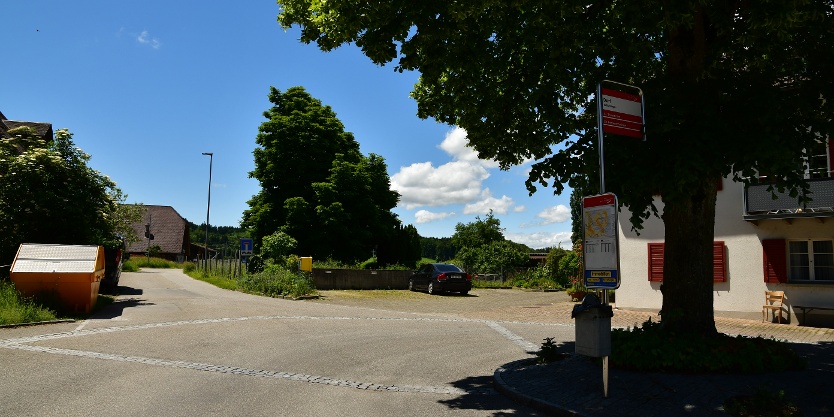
x=117 y=308
x=480 y=395
x=129 y=291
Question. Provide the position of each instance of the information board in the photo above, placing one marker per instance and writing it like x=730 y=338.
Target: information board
x=600 y=248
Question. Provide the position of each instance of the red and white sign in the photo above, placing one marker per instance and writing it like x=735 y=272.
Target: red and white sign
x=622 y=113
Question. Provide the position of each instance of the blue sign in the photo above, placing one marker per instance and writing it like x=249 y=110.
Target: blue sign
x=246 y=246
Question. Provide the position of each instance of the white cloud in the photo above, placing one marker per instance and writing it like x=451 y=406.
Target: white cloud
x=519 y=209
x=425 y=216
x=421 y=184
x=145 y=38
x=555 y=214
x=488 y=202
x=455 y=144
x=541 y=240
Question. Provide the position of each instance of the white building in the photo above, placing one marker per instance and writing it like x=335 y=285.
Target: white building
x=761 y=245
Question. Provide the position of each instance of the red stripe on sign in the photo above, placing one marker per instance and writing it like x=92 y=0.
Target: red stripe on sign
x=599 y=200
x=608 y=114
x=620 y=94
x=617 y=130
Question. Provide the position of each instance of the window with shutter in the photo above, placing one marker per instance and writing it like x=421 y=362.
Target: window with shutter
x=774 y=261
x=656 y=262
x=719 y=262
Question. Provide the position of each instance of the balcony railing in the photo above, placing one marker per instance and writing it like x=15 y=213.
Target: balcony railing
x=759 y=203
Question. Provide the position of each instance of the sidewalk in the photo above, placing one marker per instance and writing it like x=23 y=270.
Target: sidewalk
x=573 y=387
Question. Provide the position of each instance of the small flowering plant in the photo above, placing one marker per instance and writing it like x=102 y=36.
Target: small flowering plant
x=577 y=284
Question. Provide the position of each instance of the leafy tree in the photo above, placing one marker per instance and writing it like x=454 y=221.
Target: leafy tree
x=440 y=249
x=224 y=238
x=315 y=184
x=732 y=88
x=403 y=248
x=277 y=245
x=478 y=233
x=497 y=257
x=483 y=249
x=48 y=194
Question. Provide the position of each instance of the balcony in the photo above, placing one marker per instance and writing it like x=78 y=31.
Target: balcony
x=759 y=203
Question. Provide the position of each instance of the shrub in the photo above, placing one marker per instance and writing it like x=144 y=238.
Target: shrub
x=369 y=264
x=189 y=267
x=276 y=281
x=651 y=348
x=255 y=264
x=539 y=277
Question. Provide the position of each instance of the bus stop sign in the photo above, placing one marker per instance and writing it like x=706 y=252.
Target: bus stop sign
x=600 y=248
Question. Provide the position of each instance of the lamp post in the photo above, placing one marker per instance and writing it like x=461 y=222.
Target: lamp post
x=208 y=206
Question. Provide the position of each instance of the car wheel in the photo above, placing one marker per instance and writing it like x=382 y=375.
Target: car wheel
x=431 y=289
x=464 y=292
x=411 y=285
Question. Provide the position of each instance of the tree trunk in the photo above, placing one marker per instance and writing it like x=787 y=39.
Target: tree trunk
x=688 y=261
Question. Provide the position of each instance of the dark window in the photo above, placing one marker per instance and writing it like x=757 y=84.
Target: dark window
x=811 y=260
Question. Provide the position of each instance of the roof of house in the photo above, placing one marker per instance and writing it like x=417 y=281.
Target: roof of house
x=44 y=130
x=167 y=227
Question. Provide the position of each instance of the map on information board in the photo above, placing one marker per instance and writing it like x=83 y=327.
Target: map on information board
x=599 y=249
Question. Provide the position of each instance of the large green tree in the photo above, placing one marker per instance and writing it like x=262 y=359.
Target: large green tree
x=48 y=194
x=315 y=184
x=732 y=88
x=483 y=249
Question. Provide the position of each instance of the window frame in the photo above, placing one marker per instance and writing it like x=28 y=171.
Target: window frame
x=811 y=267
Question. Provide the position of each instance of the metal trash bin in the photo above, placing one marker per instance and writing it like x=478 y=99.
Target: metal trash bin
x=593 y=327
x=71 y=272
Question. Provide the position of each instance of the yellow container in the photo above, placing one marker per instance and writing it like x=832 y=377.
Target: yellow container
x=73 y=273
x=306 y=264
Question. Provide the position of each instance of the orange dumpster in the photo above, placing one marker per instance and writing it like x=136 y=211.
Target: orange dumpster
x=71 y=272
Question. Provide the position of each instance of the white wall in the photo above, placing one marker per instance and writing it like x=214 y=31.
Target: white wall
x=743 y=293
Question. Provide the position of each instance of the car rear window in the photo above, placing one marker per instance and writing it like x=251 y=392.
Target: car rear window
x=448 y=268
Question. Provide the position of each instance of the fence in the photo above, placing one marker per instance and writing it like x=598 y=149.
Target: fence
x=230 y=268
x=323 y=279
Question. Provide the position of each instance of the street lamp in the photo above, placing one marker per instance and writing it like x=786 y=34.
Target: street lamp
x=208 y=206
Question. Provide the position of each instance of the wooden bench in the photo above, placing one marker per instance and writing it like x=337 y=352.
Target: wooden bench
x=806 y=309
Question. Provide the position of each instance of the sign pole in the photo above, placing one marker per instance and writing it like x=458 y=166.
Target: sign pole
x=625 y=121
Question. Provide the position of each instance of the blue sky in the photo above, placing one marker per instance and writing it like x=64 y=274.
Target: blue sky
x=147 y=87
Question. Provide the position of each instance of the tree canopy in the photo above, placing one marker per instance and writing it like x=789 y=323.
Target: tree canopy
x=732 y=88
x=483 y=249
x=48 y=194
x=317 y=187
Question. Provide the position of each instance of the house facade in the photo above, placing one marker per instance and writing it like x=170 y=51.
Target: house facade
x=170 y=232
x=760 y=244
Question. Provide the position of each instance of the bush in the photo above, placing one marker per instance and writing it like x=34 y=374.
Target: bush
x=276 y=281
x=255 y=264
x=189 y=267
x=651 y=348
x=539 y=277
x=369 y=264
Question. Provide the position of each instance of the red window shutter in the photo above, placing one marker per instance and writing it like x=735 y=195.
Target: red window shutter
x=656 y=262
x=719 y=262
x=774 y=261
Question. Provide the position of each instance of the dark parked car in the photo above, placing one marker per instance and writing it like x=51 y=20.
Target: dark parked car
x=113 y=259
x=438 y=278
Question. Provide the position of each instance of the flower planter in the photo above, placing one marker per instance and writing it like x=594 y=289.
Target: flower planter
x=577 y=295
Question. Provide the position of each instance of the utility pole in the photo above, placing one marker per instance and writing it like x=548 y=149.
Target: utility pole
x=208 y=206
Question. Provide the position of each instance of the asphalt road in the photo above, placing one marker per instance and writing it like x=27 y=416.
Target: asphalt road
x=175 y=346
